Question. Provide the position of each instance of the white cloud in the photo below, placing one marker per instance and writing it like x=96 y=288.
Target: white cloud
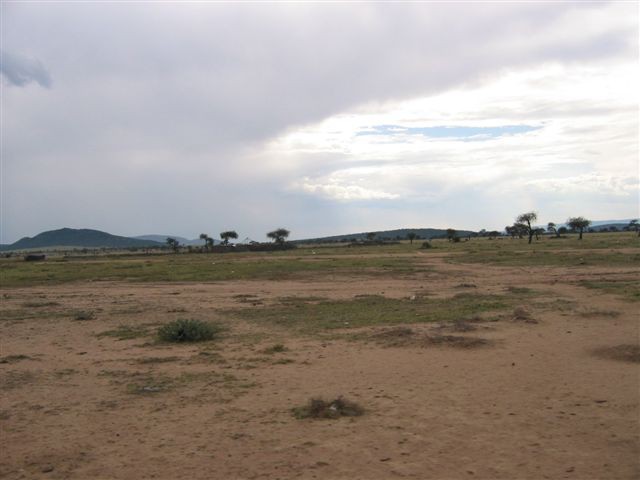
x=339 y=190
x=587 y=119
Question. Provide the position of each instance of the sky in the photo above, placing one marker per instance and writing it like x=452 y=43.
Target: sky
x=322 y=118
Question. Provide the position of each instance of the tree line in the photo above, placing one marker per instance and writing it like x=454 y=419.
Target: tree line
x=278 y=236
x=524 y=227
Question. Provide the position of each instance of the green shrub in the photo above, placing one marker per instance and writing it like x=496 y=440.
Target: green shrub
x=426 y=244
x=188 y=330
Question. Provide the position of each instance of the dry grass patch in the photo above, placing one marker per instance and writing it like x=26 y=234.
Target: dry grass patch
x=276 y=348
x=301 y=315
x=125 y=332
x=40 y=304
x=15 y=358
x=408 y=337
x=16 y=379
x=623 y=353
x=156 y=360
x=596 y=312
x=83 y=315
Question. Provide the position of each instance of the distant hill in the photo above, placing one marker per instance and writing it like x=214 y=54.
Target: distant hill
x=182 y=240
x=71 y=237
x=401 y=233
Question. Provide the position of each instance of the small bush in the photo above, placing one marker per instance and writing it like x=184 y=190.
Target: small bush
x=188 y=330
x=319 y=408
x=426 y=244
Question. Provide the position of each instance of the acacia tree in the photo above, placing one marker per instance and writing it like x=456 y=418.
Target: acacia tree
x=525 y=220
x=510 y=231
x=206 y=238
x=173 y=243
x=451 y=234
x=551 y=228
x=411 y=236
x=633 y=226
x=538 y=231
x=225 y=236
x=578 y=223
x=279 y=235
x=516 y=230
x=370 y=236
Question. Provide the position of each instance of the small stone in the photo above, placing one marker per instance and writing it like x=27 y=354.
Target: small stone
x=47 y=469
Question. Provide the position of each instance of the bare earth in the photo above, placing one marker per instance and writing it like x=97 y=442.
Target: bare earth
x=540 y=402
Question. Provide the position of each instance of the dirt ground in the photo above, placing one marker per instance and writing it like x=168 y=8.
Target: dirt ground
x=542 y=400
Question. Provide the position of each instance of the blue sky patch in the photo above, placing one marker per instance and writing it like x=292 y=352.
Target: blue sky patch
x=455 y=132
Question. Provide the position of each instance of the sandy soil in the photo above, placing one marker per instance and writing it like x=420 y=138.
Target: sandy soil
x=538 y=403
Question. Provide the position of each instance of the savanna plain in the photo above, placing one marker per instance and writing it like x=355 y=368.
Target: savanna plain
x=489 y=359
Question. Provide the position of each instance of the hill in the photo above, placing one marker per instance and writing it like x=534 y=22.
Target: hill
x=398 y=234
x=70 y=237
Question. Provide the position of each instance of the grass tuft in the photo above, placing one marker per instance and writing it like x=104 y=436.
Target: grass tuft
x=322 y=409
x=188 y=330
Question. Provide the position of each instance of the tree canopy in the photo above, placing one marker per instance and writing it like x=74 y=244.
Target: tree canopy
x=279 y=235
x=578 y=223
x=225 y=236
x=526 y=220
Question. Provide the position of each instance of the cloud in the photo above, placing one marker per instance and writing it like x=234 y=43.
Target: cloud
x=20 y=70
x=184 y=118
x=336 y=189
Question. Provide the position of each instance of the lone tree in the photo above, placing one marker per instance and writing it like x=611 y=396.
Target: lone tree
x=451 y=234
x=279 y=235
x=551 y=228
x=411 y=236
x=578 y=223
x=206 y=238
x=370 y=236
x=225 y=236
x=525 y=220
x=173 y=244
x=634 y=226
